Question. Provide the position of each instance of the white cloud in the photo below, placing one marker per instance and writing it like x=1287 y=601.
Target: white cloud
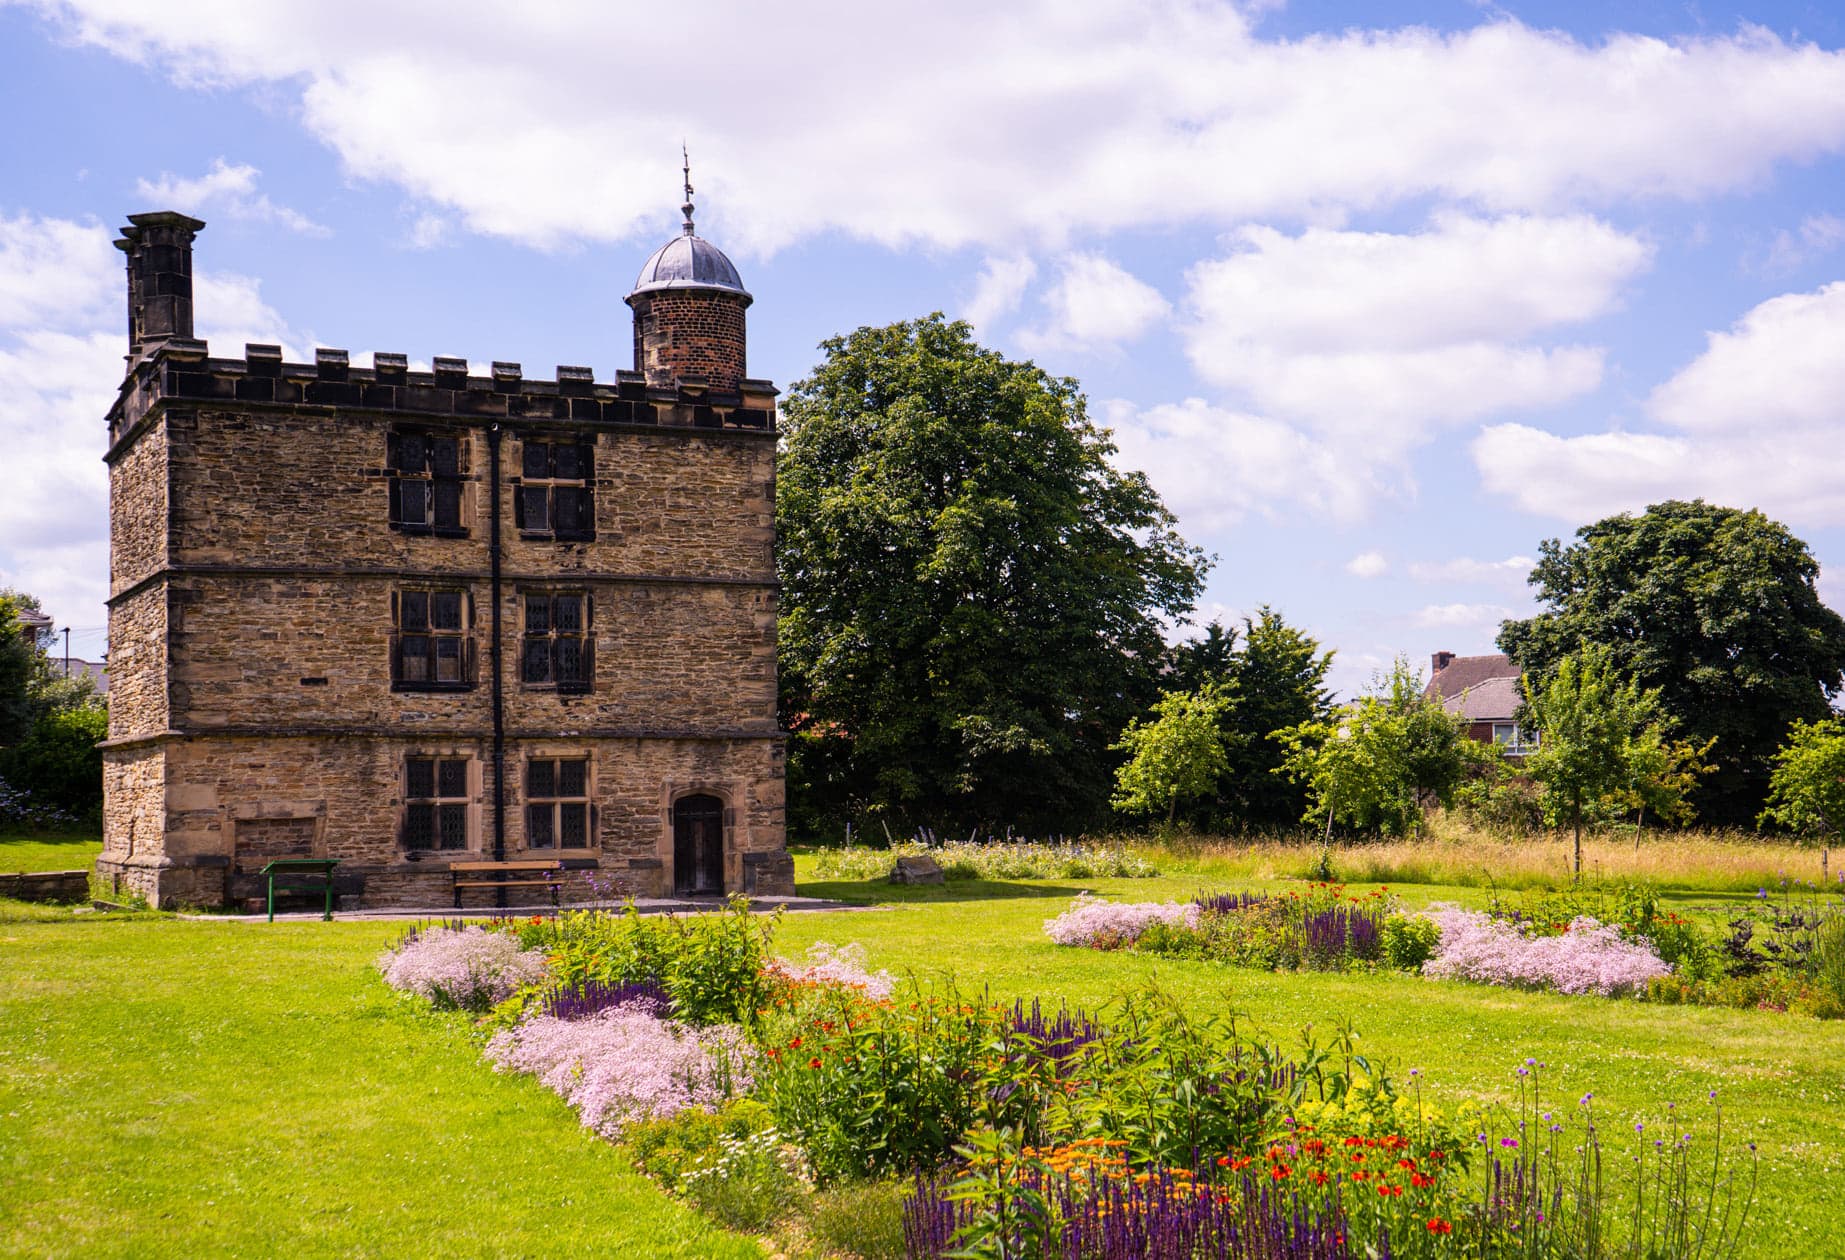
x=998 y=289
x=57 y=273
x=1095 y=305
x=1782 y=364
x=430 y=231
x=1460 y=616
x=1509 y=572
x=1818 y=235
x=225 y=189
x=1368 y=564
x=1393 y=336
x=61 y=348
x=1216 y=467
x=1757 y=420
x=1044 y=120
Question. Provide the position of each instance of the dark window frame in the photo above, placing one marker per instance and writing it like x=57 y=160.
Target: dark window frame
x=429 y=476
x=438 y=811
x=553 y=811
x=554 y=495
x=555 y=654
x=432 y=628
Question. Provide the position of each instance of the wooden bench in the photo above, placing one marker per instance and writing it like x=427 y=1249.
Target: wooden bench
x=507 y=875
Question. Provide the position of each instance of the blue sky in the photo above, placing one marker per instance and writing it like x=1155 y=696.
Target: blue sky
x=1379 y=295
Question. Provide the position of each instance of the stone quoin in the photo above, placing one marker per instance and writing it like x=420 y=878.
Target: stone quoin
x=408 y=618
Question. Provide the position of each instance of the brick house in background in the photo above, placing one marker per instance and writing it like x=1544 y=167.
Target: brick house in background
x=1486 y=691
x=405 y=618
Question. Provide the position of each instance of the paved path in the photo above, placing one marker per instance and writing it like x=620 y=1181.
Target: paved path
x=646 y=905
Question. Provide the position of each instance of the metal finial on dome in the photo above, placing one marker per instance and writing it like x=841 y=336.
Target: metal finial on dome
x=687 y=207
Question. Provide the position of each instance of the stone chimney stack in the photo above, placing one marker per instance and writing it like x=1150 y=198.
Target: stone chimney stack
x=159 y=249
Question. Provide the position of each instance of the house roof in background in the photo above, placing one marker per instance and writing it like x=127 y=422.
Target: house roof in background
x=1494 y=700
x=1470 y=671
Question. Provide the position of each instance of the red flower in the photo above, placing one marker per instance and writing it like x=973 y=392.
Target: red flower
x=1439 y=1226
x=1223 y=1161
x=1406 y=1163
x=1320 y=1178
x=795 y=1044
x=814 y=1062
x=1279 y=1171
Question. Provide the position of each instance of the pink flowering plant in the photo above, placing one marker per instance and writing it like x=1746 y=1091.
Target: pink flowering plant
x=1101 y=924
x=461 y=968
x=626 y=1063
x=1586 y=957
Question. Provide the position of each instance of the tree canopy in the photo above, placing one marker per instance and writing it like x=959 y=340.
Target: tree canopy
x=1807 y=791
x=1715 y=609
x=972 y=592
x=1176 y=756
x=1374 y=763
x=1275 y=679
x=1600 y=733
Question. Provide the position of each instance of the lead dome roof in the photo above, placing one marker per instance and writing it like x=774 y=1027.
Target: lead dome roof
x=690 y=262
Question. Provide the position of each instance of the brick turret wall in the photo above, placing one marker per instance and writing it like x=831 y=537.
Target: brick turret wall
x=690 y=335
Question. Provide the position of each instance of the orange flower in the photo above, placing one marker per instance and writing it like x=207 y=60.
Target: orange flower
x=1439 y=1226
x=814 y=1062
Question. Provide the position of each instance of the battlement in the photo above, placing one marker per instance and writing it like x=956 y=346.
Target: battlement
x=182 y=368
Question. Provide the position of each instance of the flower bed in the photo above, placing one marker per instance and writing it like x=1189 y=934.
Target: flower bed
x=1322 y=928
x=1586 y=957
x=750 y=1084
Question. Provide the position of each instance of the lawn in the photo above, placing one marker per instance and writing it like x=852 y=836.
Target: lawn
x=174 y=1086
x=47 y=853
x=182 y=1088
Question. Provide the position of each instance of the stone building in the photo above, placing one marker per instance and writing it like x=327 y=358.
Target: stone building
x=403 y=618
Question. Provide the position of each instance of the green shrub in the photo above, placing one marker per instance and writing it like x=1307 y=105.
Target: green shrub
x=711 y=965
x=1410 y=941
x=1829 y=956
x=1174 y=940
x=732 y=1164
x=863 y=1219
x=994 y=859
x=58 y=761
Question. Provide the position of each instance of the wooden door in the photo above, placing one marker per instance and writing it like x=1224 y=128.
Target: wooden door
x=698 y=845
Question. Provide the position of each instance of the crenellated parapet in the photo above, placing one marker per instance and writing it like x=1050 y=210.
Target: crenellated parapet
x=183 y=369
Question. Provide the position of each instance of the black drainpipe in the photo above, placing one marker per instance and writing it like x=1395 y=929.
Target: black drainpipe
x=499 y=696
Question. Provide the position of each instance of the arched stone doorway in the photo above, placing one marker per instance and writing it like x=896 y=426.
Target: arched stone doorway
x=698 y=845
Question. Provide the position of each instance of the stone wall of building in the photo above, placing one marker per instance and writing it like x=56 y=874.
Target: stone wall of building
x=309 y=487
x=264 y=652
x=255 y=713
x=138 y=507
x=138 y=669
x=234 y=802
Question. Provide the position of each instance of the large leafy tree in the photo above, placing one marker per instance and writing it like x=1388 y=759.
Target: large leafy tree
x=972 y=591
x=49 y=725
x=1275 y=679
x=1715 y=609
x=19 y=672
